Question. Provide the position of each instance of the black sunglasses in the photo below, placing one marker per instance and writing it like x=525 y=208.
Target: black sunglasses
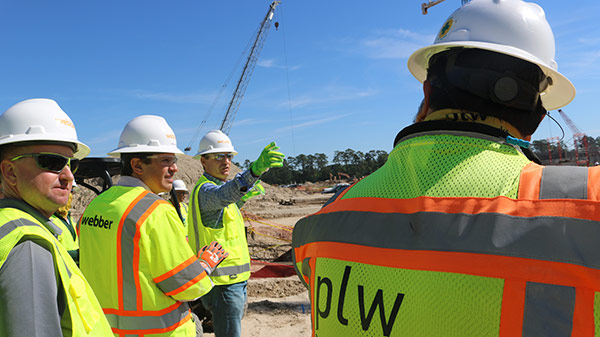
x=51 y=161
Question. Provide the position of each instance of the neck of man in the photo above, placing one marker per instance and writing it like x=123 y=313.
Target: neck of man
x=465 y=116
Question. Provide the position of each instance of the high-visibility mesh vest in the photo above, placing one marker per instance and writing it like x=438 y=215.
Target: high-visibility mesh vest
x=84 y=315
x=232 y=236
x=422 y=247
x=183 y=208
x=68 y=237
x=134 y=254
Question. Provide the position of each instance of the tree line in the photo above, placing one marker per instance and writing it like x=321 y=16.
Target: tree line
x=347 y=164
x=557 y=152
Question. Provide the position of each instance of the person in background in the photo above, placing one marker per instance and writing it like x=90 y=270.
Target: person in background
x=42 y=291
x=62 y=219
x=132 y=243
x=462 y=232
x=214 y=215
x=181 y=192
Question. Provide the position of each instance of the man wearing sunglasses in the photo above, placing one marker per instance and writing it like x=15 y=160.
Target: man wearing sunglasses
x=133 y=248
x=214 y=215
x=42 y=292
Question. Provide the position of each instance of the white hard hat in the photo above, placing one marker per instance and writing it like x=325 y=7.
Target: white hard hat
x=39 y=119
x=179 y=185
x=215 y=141
x=511 y=27
x=147 y=133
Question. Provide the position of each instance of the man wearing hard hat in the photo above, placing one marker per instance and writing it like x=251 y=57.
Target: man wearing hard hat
x=214 y=215
x=42 y=292
x=132 y=243
x=462 y=232
x=181 y=193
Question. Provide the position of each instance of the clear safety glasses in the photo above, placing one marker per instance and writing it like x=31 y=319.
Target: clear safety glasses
x=51 y=161
x=164 y=161
x=220 y=156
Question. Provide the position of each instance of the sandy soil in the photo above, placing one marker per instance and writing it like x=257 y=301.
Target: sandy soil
x=276 y=306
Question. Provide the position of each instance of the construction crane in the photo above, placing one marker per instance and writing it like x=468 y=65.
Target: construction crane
x=426 y=5
x=240 y=89
x=242 y=83
x=578 y=137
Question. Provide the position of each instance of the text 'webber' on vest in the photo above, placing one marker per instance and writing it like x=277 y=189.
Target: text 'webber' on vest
x=96 y=222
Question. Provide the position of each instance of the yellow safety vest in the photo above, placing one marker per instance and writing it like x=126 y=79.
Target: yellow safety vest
x=183 y=208
x=85 y=317
x=134 y=253
x=232 y=236
x=66 y=238
x=456 y=236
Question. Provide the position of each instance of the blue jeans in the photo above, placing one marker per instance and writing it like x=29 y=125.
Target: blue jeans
x=226 y=304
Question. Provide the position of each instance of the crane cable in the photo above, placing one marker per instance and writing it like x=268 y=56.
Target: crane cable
x=242 y=56
x=287 y=77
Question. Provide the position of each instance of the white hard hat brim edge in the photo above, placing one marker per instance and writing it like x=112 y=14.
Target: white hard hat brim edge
x=81 y=151
x=559 y=94
x=145 y=149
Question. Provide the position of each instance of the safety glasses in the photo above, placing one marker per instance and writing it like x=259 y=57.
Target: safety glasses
x=51 y=161
x=220 y=156
x=164 y=160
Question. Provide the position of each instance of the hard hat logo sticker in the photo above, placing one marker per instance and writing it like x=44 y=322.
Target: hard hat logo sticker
x=445 y=28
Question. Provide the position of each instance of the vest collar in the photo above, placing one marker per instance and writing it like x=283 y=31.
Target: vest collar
x=475 y=130
x=129 y=181
x=25 y=207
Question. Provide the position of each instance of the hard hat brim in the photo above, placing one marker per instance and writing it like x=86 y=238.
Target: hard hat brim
x=145 y=149
x=81 y=150
x=559 y=94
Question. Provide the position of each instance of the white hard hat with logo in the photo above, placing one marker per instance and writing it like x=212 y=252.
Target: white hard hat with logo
x=179 y=185
x=215 y=141
x=147 y=133
x=39 y=120
x=511 y=27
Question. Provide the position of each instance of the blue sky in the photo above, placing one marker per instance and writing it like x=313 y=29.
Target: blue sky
x=332 y=77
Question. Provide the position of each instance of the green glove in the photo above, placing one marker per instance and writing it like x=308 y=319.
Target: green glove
x=257 y=189
x=267 y=159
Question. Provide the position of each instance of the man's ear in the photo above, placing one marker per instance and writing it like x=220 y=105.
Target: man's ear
x=424 y=108
x=9 y=175
x=136 y=166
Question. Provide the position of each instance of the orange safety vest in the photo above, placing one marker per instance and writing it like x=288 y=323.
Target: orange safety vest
x=458 y=266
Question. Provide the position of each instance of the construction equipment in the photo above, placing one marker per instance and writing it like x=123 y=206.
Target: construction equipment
x=429 y=4
x=551 y=140
x=578 y=138
x=247 y=71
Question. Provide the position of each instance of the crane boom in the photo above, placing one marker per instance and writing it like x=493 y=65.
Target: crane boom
x=242 y=84
x=569 y=122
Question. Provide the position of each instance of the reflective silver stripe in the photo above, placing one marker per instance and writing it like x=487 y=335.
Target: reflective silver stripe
x=147 y=322
x=12 y=225
x=181 y=277
x=544 y=238
x=195 y=216
x=564 y=182
x=127 y=250
x=231 y=270
x=548 y=310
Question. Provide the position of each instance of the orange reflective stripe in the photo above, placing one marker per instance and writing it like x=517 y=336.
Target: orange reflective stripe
x=136 y=253
x=571 y=208
x=593 y=187
x=488 y=265
x=583 y=316
x=529 y=184
x=141 y=313
x=119 y=261
x=187 y=284
x=175 y=270
x=143 y=332
x=513 y=306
